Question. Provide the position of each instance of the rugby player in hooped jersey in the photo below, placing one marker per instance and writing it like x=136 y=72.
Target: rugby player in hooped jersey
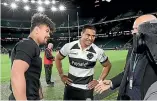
x=82 y=55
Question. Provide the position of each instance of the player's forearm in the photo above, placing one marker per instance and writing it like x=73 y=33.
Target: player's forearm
x=105 y=72
x=18 y=83
x=59 y=66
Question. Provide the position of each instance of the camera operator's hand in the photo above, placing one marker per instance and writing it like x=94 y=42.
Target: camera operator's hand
x=103 y=86
x=65 y=79
x=92 y=84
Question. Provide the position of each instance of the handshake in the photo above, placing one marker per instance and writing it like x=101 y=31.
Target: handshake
x=103 y=86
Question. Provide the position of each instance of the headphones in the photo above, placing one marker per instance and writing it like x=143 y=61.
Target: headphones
x=139 y=43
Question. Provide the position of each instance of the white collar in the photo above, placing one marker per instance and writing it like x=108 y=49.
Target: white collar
x=87 y=48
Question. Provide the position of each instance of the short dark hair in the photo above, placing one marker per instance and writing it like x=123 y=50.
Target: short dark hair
x=88 y=27
x=39 y=19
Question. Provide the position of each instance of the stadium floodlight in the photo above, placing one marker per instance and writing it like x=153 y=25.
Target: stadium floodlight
x=27 y=8
x=40 y=9
x=17 y=0
x=53 y=1
x=13 y=6
x=47 y=2
x=40 y=2
x=5 y=4
x=32 y=1
x=61 y=7
x=108 y=0
x=53 y=9
x=25 y=1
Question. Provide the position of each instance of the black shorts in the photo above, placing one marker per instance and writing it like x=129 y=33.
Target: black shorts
x=72 y=93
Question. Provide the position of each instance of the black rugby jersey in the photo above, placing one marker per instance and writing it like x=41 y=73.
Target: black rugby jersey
x=28 y=51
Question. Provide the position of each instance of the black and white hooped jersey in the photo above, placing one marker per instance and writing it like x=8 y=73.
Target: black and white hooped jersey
x=82 y=62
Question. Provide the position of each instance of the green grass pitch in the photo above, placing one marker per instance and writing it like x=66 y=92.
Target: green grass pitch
x=116 y=57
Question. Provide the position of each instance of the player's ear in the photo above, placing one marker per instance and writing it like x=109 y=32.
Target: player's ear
x=81 y=33
x=36 y=29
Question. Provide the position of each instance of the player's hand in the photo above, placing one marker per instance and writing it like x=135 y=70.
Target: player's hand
x=66 y=80
x=92 y=84
x=41 y=93
x=103 y=86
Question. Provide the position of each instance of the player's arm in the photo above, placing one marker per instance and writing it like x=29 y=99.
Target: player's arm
x=106 y=68
x=21 y=63
x=18 y=81
x=58 y=62
x=104 y=60
x=40 y=92
x=60 y=55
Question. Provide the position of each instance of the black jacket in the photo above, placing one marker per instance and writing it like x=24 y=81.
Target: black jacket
x=147 y=74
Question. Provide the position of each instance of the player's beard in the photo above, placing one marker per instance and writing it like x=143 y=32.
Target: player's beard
x=88 y=42
x=46 y=40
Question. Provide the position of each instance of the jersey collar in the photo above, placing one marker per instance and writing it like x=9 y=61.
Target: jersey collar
x=85 y=48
